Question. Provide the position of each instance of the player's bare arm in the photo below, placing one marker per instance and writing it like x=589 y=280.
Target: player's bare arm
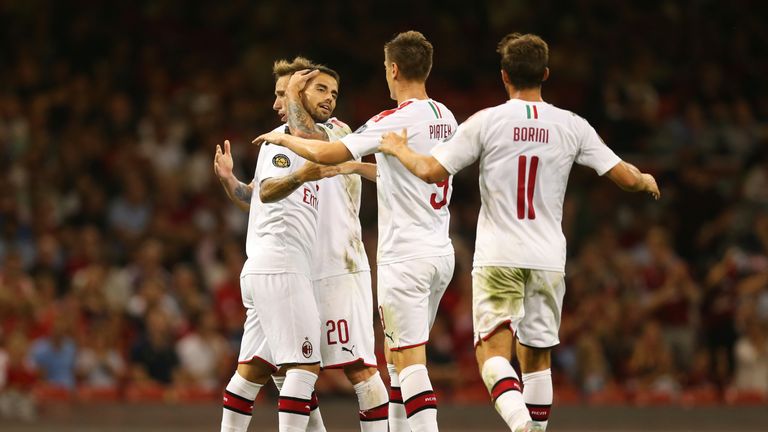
x=237 y=191
x=277 y=188
x=630 y=179
x=363 y=169
x=300 y=122
x=323 y=152
x=422 y=166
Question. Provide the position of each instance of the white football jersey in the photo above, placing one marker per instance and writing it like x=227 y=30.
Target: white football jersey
x=339 y=248
x=526 y=151
x=281 y=234
x=413 y=215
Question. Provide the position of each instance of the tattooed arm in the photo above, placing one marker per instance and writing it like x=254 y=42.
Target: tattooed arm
x=237 y=191
x=300 y=122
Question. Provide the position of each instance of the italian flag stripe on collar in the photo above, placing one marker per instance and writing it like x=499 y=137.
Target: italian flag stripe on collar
x=435 y=109
x=532 y=112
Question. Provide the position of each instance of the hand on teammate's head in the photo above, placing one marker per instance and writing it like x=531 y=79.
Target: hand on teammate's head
x=299 y=79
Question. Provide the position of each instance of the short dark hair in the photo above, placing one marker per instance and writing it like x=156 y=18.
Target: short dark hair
x=284 y=67
x=412 y=53
x=524 y=57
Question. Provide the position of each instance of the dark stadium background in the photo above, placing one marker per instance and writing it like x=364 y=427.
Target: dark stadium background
x=110 y=212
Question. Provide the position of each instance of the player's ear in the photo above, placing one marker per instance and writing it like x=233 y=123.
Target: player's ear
x=546 y=75
x=505 y=77
x=395 y=71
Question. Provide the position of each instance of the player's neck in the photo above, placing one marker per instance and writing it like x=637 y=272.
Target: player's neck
x=528 y=95
x=411 y=90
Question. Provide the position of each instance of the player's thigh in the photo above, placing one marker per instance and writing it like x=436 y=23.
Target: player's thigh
x=544 y=293
x=498 y=295
x=345 y=306
x=444 y=267
x=404 y=291
x=288 y=313
x=253 y=346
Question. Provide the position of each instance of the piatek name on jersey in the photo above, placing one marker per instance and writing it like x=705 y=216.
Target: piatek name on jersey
x=439 y=131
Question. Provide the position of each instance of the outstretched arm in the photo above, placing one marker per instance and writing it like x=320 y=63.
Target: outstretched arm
x=322 y=152
x=237 y=191
x=630 y=179
x=276 y=188
x=422 y=166
x=300 y=122
x=364 y=169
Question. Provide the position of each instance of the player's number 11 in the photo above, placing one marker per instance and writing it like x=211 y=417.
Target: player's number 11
x=525 y=189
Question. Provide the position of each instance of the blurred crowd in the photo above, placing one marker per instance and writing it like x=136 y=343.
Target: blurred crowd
x=120 y=253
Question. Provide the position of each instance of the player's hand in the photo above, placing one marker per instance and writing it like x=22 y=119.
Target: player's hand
x=299 y=80
x=269 y=137
x=311 y=171
x=651 y=187
x=392 y=142
x=222 y=161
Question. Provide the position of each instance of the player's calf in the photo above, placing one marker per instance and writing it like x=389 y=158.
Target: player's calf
x=241 y=391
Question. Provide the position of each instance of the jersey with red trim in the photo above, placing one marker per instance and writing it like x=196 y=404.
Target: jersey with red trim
x=413 y=215
x=281 y=234
x=526 y=151
x=339 y=249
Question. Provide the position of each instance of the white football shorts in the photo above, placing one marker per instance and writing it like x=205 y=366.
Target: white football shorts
x=528 y=301
x=345 y=305
x=409 y=293
x=282 y=325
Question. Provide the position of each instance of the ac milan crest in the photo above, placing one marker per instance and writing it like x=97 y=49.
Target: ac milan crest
x=306 y=348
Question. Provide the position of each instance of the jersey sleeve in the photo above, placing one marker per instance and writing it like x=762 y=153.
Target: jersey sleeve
x=335 y=128
x=464 y=147
x=594 y=153
x=277 y=162
x=365 y=140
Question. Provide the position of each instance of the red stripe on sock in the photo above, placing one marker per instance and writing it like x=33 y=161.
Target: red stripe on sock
x=293 y=405
x=237 y=402
x=421 y=401
x=395 y=396
x=504 y=385
x=313 y=403
x=380 y=412
x=539 y=412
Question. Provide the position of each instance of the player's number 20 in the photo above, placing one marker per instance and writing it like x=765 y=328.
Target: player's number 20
x=339 y=329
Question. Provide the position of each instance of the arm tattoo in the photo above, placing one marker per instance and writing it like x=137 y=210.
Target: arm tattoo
x=299 y=120
x=243 y=193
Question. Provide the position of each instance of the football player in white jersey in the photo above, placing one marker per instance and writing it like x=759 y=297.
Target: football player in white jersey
x=282 y=325
x=526 y=149
x=415 y=255
x=341 y=273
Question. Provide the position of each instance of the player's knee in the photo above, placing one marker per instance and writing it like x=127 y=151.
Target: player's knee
x=314 y=368
x=255 y=372
x=358 y=372
x=533 y=359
